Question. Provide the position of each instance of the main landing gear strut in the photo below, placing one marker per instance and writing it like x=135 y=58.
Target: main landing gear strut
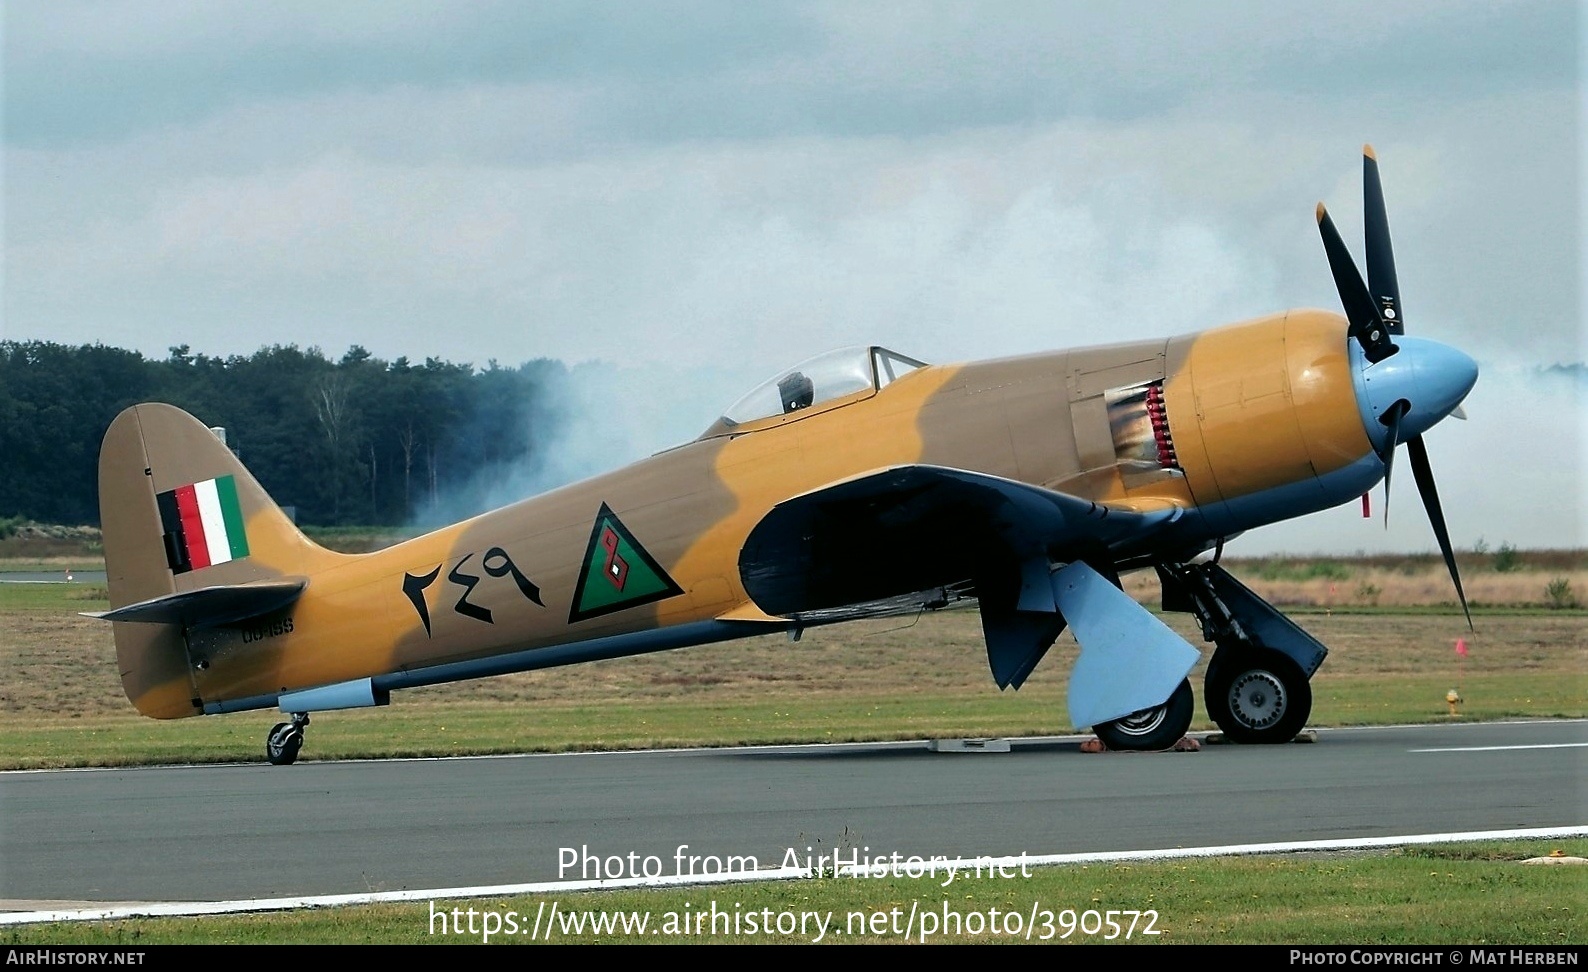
x=284 y=741
x=1256 y=688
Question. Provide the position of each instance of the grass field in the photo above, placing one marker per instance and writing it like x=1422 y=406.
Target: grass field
x=61 y=702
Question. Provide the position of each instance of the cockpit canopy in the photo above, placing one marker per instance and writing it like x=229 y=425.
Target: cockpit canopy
x=815 y=385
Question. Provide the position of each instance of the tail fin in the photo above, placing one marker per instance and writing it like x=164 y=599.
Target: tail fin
x=180 y=514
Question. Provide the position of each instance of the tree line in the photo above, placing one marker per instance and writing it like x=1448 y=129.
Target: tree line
x=354 y=441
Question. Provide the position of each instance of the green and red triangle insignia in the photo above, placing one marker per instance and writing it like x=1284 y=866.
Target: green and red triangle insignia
x=617 y=572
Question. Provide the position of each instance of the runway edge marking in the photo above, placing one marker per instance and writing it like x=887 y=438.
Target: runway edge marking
x=183 y=909
x=1492 y=749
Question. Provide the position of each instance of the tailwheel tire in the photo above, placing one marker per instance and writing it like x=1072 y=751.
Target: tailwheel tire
x=1159 y=727
x=1260 y=697
x=283 y=744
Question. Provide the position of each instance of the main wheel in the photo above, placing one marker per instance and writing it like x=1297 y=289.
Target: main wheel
x=1257 y=697
x=283 y=743
x=1159 y=727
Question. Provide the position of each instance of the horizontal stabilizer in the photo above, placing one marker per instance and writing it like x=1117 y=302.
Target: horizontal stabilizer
x=1129 y=661
x=210 y=607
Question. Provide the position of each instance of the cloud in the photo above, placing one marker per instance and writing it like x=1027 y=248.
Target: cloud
x=775 y=250
x=83 y=72
x=1009 y=239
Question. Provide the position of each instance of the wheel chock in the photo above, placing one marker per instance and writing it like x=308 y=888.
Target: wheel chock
x=1185 y=744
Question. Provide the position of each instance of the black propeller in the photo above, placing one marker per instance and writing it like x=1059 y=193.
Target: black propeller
x=1424 y=474
x=1381 y=280
x=1373 y=309
x=1367 y=327
x=1392 y=421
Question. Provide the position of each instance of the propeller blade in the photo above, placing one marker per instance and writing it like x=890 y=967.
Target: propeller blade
x=1392 y=421
x=1360 y=310
x=1385 y=289
x=1424 y=474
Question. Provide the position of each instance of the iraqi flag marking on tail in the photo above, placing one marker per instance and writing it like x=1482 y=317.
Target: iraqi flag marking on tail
x=203 y=524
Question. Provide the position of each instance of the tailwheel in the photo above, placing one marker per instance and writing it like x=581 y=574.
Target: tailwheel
x=1159 y=727
x=1257 y=697
x=285 y=740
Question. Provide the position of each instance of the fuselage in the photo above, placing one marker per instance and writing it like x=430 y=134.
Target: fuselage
x=1238 y=426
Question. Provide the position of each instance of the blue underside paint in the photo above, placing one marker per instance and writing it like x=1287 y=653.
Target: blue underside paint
x=357 y=694
x=597 y=649
x=1129 y=659
x=1294 y=499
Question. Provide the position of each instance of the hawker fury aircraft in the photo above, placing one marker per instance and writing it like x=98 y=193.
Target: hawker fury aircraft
x=860 y=483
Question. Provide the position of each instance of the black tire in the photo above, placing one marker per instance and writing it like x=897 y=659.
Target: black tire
x=1257 y=697
x=283 y=743
x=1159 y=727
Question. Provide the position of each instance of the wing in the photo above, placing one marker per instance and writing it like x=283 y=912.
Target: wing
x=914 y=534
x=905 y=529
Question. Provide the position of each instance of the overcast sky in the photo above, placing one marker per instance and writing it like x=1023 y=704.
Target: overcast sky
x=711 y=191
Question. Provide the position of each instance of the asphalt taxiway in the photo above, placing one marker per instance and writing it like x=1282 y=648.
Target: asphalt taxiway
x=194 y=833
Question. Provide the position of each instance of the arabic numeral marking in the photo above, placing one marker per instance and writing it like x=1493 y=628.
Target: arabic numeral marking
x=414 y=586
x=467 y=582
x=526 y=586
x=496 y=562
